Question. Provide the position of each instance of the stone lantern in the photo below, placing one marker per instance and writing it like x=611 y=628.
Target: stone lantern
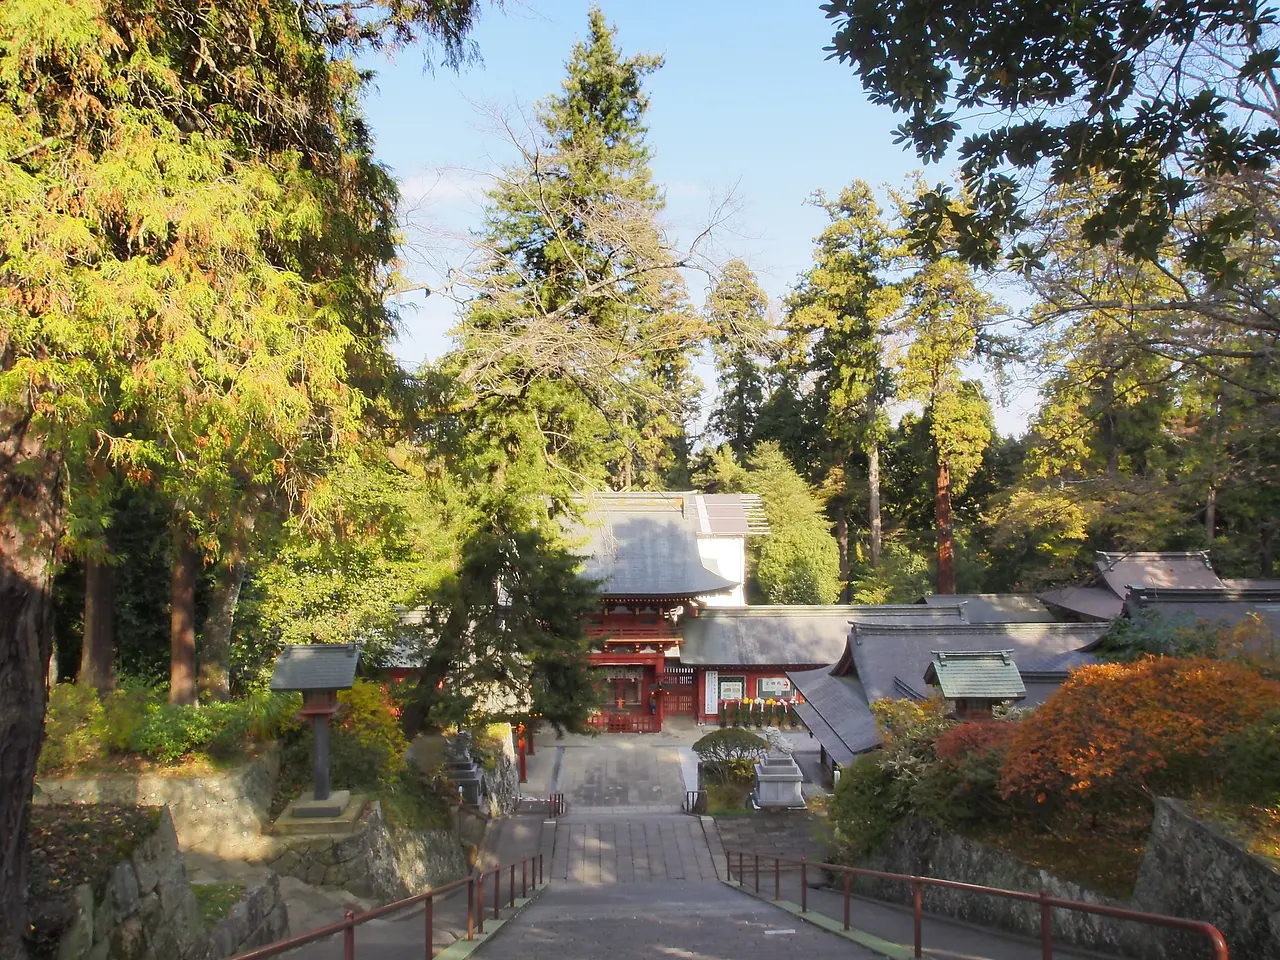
x=317 y=671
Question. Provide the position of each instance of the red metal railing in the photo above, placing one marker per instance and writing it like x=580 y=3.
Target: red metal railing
x=556 y=805
x=530 y=869
x=1047 y=903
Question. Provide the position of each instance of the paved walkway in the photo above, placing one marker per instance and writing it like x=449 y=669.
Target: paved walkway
x=699 y=921
x=624 y=848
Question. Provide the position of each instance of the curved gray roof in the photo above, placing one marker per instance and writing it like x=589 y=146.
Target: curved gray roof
x=645 y=545
x=995 y=607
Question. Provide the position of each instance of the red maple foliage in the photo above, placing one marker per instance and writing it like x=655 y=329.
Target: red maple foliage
x=1131 y=727
x=979 y=736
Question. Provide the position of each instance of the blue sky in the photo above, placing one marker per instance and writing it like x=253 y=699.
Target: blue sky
x=745 y=103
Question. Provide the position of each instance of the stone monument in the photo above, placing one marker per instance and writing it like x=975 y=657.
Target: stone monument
x=460 y=767
x=778 y=780
x=318 y=671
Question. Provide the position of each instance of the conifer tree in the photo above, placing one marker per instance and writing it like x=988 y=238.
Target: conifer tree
x=836 y=318
x=738 y=322
x=577 y=287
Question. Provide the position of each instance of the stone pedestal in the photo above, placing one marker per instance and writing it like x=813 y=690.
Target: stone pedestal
x=307 y=816
x=778 y=782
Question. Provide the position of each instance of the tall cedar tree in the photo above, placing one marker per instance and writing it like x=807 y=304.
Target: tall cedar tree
x=737 y=313
x=197 y=242
x=577 y=287
x=836 y=320
x=944 y=314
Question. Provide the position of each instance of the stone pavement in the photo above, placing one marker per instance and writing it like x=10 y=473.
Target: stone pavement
x=629 y=774
x=623 y=848
x=702 y=920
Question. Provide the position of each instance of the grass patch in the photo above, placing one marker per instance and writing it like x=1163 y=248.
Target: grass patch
x=1104 y=856
x=216 y=900
x=1254 y=825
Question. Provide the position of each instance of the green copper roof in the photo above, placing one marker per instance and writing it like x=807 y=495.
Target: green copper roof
x=976 y=675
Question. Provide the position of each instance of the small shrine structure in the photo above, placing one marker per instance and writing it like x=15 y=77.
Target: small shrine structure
x=317 y=671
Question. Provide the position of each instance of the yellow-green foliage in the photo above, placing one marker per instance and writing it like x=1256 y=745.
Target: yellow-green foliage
x=75 y=731
x=368 y=736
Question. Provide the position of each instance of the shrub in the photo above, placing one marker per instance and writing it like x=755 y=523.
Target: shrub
x=169 y=731
x=74 y=728
x=1115 y=730
x=721 y=749
x=368 y=735
x=962 y=785
x=1251 y=768
x=865 y=808
x=910 y=718
x=125 y=708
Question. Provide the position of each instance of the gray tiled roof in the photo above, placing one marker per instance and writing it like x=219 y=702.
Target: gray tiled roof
x=1212 y=607
x=1186 y=570
x=316 y=666
x=996 y=607
x=975 y=675
x=884 y=652
x=1096 y=603
x=785 y=635
x=645 y=545
x=837 y=713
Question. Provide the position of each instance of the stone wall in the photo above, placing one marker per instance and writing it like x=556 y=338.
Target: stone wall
x=374 y=861
x=1194 y=869
x=1191 y=869
x=501 y=782
x=147 y=911
x=223 y=815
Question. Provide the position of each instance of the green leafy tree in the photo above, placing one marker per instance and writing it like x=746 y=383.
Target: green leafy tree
x=1144 y=95
x=737 y=314
x=196 y=239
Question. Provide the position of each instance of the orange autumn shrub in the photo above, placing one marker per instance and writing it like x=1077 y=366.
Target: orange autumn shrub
x=1120 y=728
x=978 y=736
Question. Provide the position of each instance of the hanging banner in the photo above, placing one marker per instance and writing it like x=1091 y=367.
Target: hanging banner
x=711 y=697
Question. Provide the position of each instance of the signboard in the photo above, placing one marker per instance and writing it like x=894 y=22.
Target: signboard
x=733 y=688
x=773 y=687
x=622 y=673
x=711 y=693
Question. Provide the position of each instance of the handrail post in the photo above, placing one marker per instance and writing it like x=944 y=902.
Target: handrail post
x=497 y=889
x=471 y=907
x=524 y=876
x=542 y=877
x=757 y=862
x=511 y=887
x=480 y=903
x=742 y=875
x=804 y=884
x=1046 y=926
x=428 y=923
x=917 y=909
x=349 y=936
x=777 y=879
x=847 y=877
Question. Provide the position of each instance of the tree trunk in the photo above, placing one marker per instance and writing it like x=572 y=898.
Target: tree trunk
x=1267 y=552
x=30 y=527
x=182 y=618
x=1211 y=500
x=946 y=539
x=842 y=541
x=873 y=507
x=98 y=651
x=215 y=640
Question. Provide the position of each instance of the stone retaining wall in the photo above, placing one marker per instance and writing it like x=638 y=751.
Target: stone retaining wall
x=374 y=861
x=147 y=911
x=1191 y=869
x=500 y=786
x=223 y=815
